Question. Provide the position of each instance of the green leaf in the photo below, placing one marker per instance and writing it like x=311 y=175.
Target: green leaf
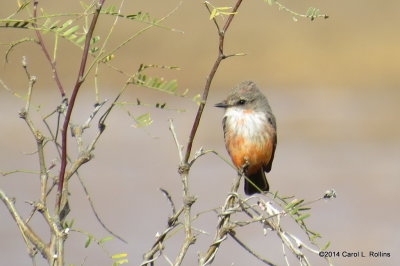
x=302 y=217
x=65 y=25
x=326 y=246
x=156 y=83
x=54 y=25
x=314 y=234
x=224 y=8
x=197 y=99
x=143 y=17
x=220 y=11
x=213 y=13
x=119 y=256
x=94 y=49
x=309 y=11
x=94 y=39
x=84 y=5
x=46 y=23
x=110 y=10
x=108 y=58
x=304 y=208
x=185 y=92
x=293 y=204
x=88 y=241
x=271 y=2
x=69 y=224
x=143 y=120
x=81 y=39
x=287 y=197
x=101 y=241
x=70 y=30
x=119 y=262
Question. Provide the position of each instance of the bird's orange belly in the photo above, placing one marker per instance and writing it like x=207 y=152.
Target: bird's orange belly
x=253 y=153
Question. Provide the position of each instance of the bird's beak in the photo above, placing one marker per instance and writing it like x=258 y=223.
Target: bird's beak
x=221 y=105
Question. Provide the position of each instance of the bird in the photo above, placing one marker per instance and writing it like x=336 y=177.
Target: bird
x=250 y=134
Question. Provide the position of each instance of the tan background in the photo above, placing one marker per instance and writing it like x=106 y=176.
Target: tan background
x=333 y=85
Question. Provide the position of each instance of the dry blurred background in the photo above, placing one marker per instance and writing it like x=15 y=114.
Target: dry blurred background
x=333 y=85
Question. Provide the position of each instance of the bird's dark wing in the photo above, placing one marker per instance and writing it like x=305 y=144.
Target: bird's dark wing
x=224 y=126
x=268 y=166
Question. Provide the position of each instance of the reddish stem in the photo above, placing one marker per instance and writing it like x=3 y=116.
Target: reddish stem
x=210 y=77
x=71 y=103
x=46 y=52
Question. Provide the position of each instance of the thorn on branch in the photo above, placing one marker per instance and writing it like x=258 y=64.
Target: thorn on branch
x=22 y=114
x=39 y=137
x=101 y=127
x=189 y=200
x=39 y=207
x=183 y=168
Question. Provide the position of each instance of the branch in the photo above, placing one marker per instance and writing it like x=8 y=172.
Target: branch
x=224 y=225
x=178 y=146
x=158 y=245
x=79 y=81
x=54 y=251
x=78 y=130
x=26 y=231
x=45 y=51
x=221 y=56
x=184 y=164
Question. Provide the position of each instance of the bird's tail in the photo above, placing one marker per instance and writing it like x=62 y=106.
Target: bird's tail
x=259 y=180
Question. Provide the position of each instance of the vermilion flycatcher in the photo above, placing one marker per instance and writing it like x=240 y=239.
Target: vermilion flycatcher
x=250 y=134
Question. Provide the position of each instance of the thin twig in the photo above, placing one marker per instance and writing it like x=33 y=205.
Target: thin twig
x=166 y=194
x=252 y=252
x=178 y=146
x=18 y=171
x=45 y=51
x=26 y=231
x=93 y=114
x=89 y=149
x=158 y=245
x=95 y=212
x=101 y=51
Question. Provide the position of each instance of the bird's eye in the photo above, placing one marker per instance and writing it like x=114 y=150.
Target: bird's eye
x=241 y=102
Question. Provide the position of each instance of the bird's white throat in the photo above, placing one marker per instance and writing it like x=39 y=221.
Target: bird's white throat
x=247 y=123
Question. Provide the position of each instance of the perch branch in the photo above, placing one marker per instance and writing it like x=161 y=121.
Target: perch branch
x=224 y=225
x=221 y=56
x=184 y=164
